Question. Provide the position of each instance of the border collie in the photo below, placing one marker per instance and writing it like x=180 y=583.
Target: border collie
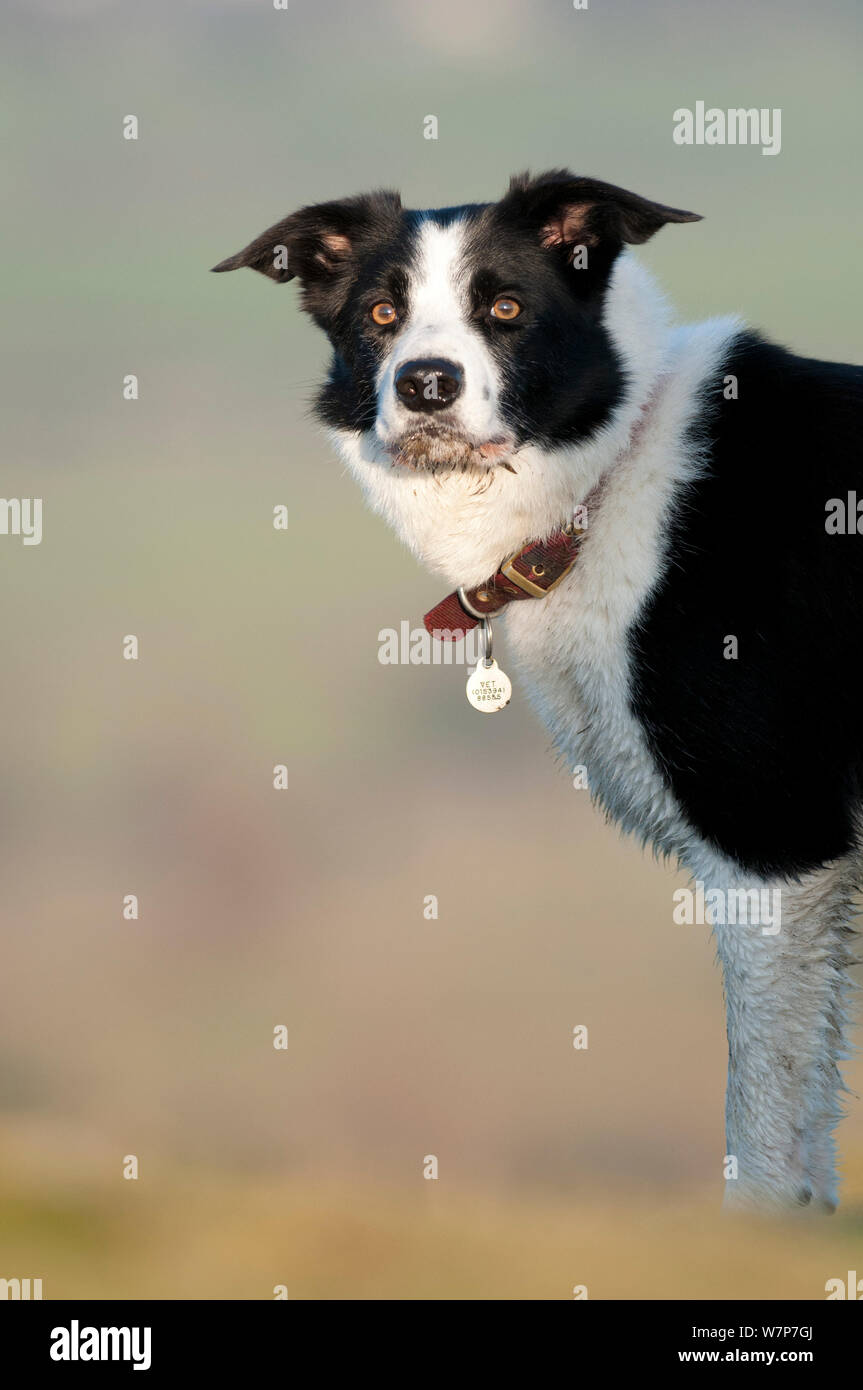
x=501 y=369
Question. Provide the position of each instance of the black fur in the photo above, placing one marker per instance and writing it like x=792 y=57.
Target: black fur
x=764 y=753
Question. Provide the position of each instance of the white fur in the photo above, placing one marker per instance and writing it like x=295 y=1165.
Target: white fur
x=785 y=999
x=439 y=327
x=783 y=991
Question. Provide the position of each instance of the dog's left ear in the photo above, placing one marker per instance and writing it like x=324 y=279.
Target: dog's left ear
x=567 y=211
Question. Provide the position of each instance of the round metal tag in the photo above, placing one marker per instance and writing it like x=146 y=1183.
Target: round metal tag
x=488 y=689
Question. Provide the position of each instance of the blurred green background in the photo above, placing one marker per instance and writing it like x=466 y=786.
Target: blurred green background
x=407 y=1037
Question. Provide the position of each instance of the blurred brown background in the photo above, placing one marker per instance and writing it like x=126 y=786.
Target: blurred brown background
x=407 y=1036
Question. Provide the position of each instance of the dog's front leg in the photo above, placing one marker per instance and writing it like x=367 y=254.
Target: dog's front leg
x=785 y=981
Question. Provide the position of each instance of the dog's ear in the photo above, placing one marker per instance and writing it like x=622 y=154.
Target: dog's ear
x=319 y=245
x=568 y=211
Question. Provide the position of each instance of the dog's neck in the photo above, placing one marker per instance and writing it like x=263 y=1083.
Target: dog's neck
x=461 y=525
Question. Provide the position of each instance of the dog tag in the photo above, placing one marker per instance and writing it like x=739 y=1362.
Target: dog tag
x=488 y=688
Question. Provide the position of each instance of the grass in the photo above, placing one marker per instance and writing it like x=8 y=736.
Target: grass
x=201 y=1236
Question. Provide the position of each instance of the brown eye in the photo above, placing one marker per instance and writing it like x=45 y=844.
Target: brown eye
x=384 y=313
x=505 y=308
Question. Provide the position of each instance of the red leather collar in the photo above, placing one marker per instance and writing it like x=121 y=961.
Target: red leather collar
x=531 y=573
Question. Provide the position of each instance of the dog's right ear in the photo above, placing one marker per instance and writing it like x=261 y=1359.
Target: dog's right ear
x=319 y=244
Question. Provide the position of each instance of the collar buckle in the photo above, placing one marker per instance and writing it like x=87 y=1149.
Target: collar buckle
x=528 y=583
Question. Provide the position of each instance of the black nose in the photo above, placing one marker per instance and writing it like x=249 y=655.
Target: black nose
x=431 y=385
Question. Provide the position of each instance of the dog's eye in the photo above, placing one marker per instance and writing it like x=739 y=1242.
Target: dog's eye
x=384 y=312
x=505 y=308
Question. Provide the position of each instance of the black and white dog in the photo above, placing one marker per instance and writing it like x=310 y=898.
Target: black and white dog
x=497 y=365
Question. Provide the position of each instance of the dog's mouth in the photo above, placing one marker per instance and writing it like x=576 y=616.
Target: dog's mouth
x=438 y=448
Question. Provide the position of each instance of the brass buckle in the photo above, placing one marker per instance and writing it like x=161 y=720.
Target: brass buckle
x=527 y=586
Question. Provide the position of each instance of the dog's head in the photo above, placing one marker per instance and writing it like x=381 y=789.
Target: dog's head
x=461 y=334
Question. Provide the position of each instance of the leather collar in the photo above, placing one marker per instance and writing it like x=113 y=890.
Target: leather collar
x=538 y=567
x=531 y=573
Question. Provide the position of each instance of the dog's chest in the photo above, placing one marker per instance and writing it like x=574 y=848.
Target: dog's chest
x=573 y=652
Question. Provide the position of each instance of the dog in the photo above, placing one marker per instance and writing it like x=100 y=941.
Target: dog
x=659 y=513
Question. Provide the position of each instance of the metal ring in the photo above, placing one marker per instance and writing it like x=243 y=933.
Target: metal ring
x=486 y=643
x=467 y=606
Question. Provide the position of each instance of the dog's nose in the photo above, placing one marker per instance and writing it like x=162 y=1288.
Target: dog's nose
x=430 y=385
